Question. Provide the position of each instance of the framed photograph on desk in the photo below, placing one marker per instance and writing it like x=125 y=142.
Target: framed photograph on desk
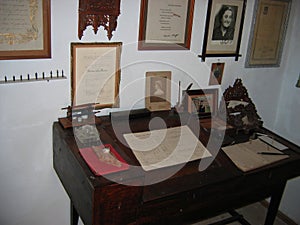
x=158 y=90
x=96 y=74
x=165 y=25
x=202 y=102
x=223 y=30
x=268 y=33
x=25 y=29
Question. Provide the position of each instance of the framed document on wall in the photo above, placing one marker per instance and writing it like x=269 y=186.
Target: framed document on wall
x=223 y=30
x=96 y=74
x=165 y=25
x=268 y=33
x=25 y=29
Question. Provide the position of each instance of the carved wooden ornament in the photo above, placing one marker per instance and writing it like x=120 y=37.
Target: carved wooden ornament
x=98 y=13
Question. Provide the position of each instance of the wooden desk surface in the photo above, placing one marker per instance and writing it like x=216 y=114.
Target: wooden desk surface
x=186 y=196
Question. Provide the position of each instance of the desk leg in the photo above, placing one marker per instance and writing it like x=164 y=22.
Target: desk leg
x=74 y=215
x=274 y=204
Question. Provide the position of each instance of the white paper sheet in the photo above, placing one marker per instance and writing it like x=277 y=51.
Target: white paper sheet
x=166 y=147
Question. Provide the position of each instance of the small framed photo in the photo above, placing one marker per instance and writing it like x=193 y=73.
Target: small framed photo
x=223 y=30
x=165 y=25
x=158 y=90
x=216 y=73
x=203 y=102
x=95 y=74
x=268 y=33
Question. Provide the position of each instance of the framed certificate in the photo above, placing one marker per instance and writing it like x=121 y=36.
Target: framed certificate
x=165 y=25
x=25 y=29
x=268 y=33
x=223 y=31
x=96 y=74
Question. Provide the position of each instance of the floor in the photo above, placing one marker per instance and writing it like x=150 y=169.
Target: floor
x=254 y=214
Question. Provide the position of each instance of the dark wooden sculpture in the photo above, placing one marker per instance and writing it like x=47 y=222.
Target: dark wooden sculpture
x=98 y=13
x=240 y=110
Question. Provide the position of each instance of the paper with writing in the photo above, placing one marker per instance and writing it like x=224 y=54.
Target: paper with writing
x=166 y=21
x=21 y=25
x=95 y=75
x=166 y=147
x=245 y=155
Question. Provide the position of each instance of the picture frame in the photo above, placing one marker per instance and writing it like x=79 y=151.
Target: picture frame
x=222 y=39
x=27 y=40
x=202 y=102
x=216 y=73
x=165 y=25
x=266 y=40
x=95 y=74
x=158 y=90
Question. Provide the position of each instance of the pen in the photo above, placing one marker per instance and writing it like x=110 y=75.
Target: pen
x=271 y=153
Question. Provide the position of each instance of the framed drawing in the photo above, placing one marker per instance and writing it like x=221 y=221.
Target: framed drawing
x=25 y=34
x=223 y=30
x=158 y=90
x=165 y=25
x=268 y=33
x=216 y=73
x=202 y=102
x=95 y=74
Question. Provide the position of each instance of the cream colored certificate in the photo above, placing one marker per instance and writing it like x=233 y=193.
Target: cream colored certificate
x=21 y=25
x=166 y=147
x=268 y=32
x=95 y=75
x=166 y=21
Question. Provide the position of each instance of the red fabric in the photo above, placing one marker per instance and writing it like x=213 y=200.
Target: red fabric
x=99 y=167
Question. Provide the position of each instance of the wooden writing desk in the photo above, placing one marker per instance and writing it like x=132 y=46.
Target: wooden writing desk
x=185 y=197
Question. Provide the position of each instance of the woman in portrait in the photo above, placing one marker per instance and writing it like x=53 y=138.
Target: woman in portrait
x=224 y=23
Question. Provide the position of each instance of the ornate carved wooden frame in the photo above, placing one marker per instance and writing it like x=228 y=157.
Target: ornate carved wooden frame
x=98 y=13
x=240 y=110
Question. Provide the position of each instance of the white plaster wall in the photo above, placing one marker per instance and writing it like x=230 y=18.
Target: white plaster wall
x=287 y=121
x=30 y=192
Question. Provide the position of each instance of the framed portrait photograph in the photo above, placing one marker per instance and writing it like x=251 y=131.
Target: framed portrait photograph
x=202 y=102
x=223 y=29
x=165 y=25
x=25 y=29
x=95 y=74
x=268 y=31
x=158 y=90
x=216 y=73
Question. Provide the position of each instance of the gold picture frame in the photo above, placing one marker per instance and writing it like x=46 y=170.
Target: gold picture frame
x=266 y=40
x=30 y=38
x=158 y=90
x=165 y=26
x=95 y=75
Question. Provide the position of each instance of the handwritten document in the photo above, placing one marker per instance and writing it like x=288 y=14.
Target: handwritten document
x=166 y=21
x=245 y=155
x=268 y=31
x=95 y=75
x=21 y=24
x=166 y=147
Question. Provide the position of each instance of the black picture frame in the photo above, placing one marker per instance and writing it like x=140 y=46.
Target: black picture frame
x=225 y=43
